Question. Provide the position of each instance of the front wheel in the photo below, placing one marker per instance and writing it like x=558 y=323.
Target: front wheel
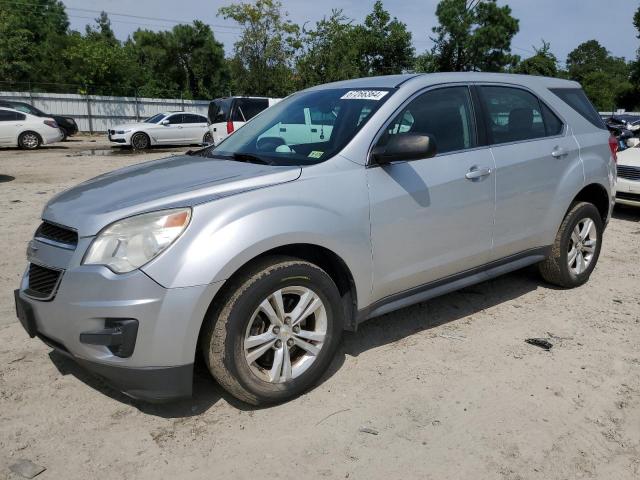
x=576 y=249
x=140 y=141
x=275 y=332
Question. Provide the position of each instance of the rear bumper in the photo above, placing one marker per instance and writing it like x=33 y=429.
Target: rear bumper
x=55 y=135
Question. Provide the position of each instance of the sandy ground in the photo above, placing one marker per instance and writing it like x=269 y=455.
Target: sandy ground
x=446 y=389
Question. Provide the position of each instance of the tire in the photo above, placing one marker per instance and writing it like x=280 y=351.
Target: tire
x=29 y=140
x=140 y=141
x=264 y=378
x=576 y=239
x=65 y=135
x=208 y=138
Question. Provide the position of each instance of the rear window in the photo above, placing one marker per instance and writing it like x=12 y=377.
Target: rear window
x=577 y=99
x=219 y=110
x=247 y=108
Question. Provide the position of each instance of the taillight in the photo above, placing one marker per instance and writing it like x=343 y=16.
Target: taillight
x=613 y=145
x=51 y=123
x=229 y=126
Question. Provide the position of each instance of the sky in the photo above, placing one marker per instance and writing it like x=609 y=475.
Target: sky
x=563 y=23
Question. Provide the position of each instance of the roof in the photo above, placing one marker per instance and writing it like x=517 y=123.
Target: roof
x=394 y=81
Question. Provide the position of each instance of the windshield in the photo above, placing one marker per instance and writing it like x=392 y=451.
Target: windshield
x=304 y=129
x=155 y=119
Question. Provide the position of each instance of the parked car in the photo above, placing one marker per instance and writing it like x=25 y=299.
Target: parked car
x=67 y=125
x=18 y=129
x=169 y=128
x=258 y=252
x=628 y=186
x=228 y=114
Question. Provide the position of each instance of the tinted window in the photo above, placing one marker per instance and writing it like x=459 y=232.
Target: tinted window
x=576 y=99
x=247 y=108
x=219 y=110
x=7 y=116
x=445 y=114
x=512 y=114
x=191 y=118
x=552 y=123
x=175 y=119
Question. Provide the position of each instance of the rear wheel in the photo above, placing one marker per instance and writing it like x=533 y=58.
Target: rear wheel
x=208 y=138
x=29 y=140
x=140 y=141
x=576 y=249
x=275 y=332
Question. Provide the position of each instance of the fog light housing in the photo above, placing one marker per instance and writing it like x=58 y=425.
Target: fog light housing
x=118 y=335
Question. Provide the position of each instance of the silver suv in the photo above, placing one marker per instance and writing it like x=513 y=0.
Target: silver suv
x=341 y=203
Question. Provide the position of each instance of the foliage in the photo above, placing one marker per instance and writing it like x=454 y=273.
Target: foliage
x=31 y=40
x=604 y=77
x=264 y=55
x=338 y=49
x=474 y=35
x=543 y=62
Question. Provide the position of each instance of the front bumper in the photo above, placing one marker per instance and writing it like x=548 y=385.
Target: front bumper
x=628 y=192
x=91 y=299
x=122 y=139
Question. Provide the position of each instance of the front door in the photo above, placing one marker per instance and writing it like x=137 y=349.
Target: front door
x=171 y=132
x=432 y=218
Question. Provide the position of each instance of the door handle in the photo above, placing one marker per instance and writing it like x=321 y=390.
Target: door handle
x=559 y=152
x=314 y=130
x=282 y=129
x=475 y=173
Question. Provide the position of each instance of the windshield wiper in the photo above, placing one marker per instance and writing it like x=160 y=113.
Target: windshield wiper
x=250 y=158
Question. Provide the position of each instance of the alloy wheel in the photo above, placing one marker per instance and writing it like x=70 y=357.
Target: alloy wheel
x=285 y=334
x=582 y=245
x=30 y=140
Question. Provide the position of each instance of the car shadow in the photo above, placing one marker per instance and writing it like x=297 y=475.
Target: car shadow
x=374 y=333
x=626 y=212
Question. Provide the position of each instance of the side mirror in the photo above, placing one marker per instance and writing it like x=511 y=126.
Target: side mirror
x=405 y=147
x=165 y=122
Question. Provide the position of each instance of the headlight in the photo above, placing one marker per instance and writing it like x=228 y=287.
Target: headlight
x=122 y=132
x=128 y=244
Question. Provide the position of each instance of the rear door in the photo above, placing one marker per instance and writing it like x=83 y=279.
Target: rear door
x=194 y=127
x=534 y=155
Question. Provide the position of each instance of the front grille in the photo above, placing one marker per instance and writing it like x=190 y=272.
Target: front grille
x=43 y=281
x=630 y=173
x=628 y=196
x=49 y=231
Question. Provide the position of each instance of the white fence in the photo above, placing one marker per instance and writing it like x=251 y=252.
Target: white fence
x=94 y=113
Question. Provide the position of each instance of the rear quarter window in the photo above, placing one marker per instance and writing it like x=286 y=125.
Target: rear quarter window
x=577 y=99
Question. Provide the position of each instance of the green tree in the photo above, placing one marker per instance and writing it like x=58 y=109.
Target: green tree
x=385 y=43
x=329 y=54
x=264 y=56
x=186 y=60
x=604 y=77
x=474 y=35
x=543 y=62
x=102 y=31
x=32 y=38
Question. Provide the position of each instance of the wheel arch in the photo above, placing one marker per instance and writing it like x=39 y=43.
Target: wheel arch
x=597 y=195
x=25 y=131
x=321 y=256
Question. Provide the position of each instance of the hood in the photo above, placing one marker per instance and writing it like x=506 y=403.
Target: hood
x=172 y=182
x=127 y=126
x=629 y=157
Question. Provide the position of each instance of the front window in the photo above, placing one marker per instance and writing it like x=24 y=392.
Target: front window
x=155 y=119
x=304 y=129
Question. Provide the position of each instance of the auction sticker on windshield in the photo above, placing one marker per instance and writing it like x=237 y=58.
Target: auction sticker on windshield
x=364 y=95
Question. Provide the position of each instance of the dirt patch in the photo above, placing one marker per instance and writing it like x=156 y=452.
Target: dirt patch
x=449 y=387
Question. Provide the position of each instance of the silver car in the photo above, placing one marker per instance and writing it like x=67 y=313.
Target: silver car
x=257 y=253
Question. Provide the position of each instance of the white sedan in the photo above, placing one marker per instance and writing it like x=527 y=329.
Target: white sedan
x=628 y=186
x=20 y=129
x=171 y=128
